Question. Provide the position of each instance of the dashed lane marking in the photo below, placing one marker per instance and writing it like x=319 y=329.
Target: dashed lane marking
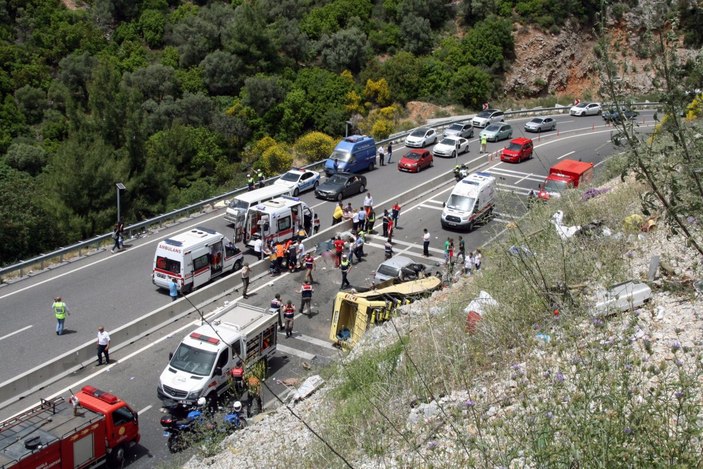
x=567 y=154
x=430 y=206
x=144 y=409
x=16 y=332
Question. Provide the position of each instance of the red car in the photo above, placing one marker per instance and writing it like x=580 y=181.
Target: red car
x=518 y=150
x=414 y=160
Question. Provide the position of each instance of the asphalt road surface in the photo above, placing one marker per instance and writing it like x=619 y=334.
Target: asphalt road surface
x=115 y=289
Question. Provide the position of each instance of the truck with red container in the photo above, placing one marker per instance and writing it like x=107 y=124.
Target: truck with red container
x=91 y=428
x=566 y=174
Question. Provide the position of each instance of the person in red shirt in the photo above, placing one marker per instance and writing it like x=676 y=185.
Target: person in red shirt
x=338 y=249
x=237 y=374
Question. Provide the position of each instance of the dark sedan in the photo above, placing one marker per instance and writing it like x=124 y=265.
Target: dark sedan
x=612 y=115
x=341 y=185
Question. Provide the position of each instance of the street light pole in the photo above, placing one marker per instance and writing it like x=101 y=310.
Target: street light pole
x=120 y=187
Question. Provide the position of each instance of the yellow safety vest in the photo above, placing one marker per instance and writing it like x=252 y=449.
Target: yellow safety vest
x=484 y=139
x=59 y=310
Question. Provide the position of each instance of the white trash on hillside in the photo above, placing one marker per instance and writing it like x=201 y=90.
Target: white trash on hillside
x=564 y=232
x=621 y=297
x=482 y=302
x=308 y=387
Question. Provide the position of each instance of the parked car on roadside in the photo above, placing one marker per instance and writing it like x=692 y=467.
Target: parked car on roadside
x=460 y=129
x=540 y=124
x=495 y=132
x=451 y=146
x=415 y=160
x=585 y=109
x=341 y=185
x=300 y=180
x=421 y=137
x=489 y=116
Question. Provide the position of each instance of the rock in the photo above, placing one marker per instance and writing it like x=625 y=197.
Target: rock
x=308 y=387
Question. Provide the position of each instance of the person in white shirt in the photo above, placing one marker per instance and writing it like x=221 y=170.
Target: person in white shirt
x=300 y=252
x=103 y=346
x=368 y=202
x=426 y=243
x=258 y=247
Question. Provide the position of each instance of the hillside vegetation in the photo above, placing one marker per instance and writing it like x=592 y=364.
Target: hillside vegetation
x=178 y=100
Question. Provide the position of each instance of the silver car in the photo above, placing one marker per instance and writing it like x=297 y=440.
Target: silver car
x=495 y=132
x=540 y=124
x=464 y=130
x=400 y=267
x=421 y=137
x=585 y=109
x=489 y=116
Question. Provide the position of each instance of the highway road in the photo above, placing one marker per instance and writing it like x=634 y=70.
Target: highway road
x=115 y=289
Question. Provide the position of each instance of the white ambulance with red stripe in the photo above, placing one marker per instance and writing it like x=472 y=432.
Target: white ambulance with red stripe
x=278 y=219
x=193 y=258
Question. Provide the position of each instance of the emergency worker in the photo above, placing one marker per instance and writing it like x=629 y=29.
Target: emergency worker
x=306 y=297
x=484 y=142
x=253 y=393
x=237 y=375
x=60 y=311
x=288 y=316
x=250 y=182
x=345 y=267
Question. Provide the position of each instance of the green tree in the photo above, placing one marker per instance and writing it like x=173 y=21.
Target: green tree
x=402 y=71
x=26 y=157
x=345 y=49
x=75 y=71
x=152 y=24
x=314 y=146
x=247 y=38
x=222 y=73
x=471 y=86
x=27 y=228
x=31 y=102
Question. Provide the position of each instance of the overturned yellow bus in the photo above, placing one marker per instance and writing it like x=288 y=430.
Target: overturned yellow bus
x=354 y=312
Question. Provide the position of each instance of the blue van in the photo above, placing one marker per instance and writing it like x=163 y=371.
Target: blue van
x=352 y=155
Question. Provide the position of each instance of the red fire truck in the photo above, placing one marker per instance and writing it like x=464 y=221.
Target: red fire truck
x=92 y=427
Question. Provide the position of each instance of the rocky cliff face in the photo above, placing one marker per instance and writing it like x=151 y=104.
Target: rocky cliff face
x=565 y=64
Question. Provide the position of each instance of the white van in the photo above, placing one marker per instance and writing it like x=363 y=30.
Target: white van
x=238 y=207
x=471 y=200
x=193 y=258
x=201 y=364
x=279 y=219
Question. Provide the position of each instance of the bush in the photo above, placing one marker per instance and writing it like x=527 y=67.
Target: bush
x=314 y=146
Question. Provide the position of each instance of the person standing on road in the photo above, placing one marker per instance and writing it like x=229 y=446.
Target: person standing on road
x=309 y=264
x=173 y=289
x=355 y=221
x=337 y=214
x=277 y=304
x=103 y=346
x=253 y=394
x=426 y=243
x=462 y=250
x=447 y=247
x=345 y=267
x=120 y=232
x=338 y=249
x=300 y=252
x=288 y=316
x=60 y=311
x=386 y=218
x=484 y=142
x=395 y=214
x=390 y=152
x=368 y=203
x=381 y=156
x=362 y=219
x=246 y=271
x=370 y=221
x=306 y=297
x=316 y=223
x=115 y=238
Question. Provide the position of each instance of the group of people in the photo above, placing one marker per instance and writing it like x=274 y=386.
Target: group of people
x=252 y=184
x=383 y=153
x=286 y=312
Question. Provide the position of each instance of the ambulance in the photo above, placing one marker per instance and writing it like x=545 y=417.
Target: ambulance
x=278 y=219
x=238 y=207
x=193 y=258
x=471 y=201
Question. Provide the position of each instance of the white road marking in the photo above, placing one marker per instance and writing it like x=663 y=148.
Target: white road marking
x=16 y=332
x=433 y=201
x=144 y=409
x=314 y=341
x=566 y=154
x=293 y=351
x=506 y=215
x=430 y=206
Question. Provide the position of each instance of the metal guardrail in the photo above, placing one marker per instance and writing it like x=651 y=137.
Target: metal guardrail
x=58 y=256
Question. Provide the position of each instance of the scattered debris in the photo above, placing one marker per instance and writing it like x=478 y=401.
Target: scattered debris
x=621 y=297
x=564 y=232
x=308 y=387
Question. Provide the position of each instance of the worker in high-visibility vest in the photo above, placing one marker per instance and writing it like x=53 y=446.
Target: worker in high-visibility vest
x=484 y=142
x=60 y=311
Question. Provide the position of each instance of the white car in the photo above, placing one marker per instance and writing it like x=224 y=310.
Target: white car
x=489 y=116
x=302 y=179
x=458 y=129
x=586 y=109
x=451 y=146
x=421 y=137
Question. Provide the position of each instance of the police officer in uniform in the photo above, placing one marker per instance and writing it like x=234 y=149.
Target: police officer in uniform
x=250 y=182
x=306 y=297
